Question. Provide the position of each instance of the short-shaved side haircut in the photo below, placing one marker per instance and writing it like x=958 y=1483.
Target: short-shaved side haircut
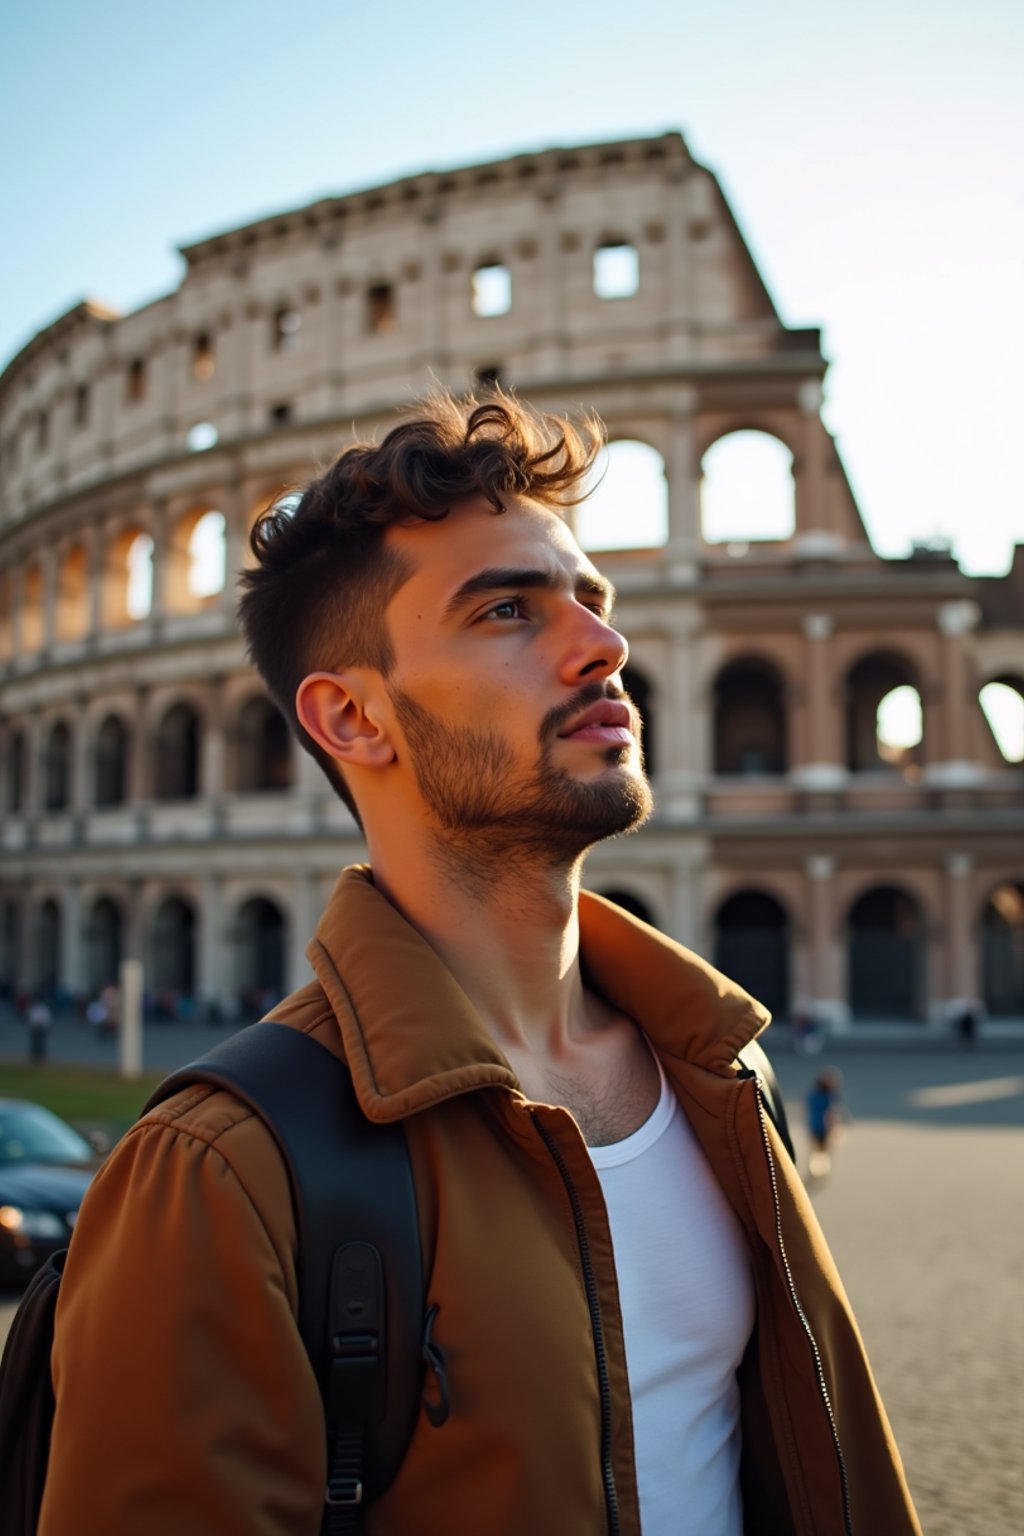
x=315 y=599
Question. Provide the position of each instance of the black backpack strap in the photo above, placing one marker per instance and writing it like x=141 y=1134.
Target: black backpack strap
x=360 y=1269
x=27 y=1401
x=756 y=1064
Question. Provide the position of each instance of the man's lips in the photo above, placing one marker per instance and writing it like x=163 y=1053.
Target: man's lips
x=608 y=723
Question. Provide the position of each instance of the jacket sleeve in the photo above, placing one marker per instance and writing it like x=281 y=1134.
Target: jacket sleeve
x=185 y=1399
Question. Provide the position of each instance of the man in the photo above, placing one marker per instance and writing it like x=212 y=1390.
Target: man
x=642 y=1327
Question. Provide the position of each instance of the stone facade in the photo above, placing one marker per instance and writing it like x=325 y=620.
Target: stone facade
x=151 y=804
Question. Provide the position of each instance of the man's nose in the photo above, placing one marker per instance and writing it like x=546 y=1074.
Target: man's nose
x=595 y=650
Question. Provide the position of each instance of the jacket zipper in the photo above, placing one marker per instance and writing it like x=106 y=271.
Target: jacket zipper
x=611 y=1497
x=798 y=1308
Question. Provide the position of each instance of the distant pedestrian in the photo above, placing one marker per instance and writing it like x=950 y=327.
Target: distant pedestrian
x=825 y=1115
x=967 y=1021
x=39 y=1020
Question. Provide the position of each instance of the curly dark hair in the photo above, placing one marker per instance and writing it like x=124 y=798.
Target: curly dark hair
x=315 y=599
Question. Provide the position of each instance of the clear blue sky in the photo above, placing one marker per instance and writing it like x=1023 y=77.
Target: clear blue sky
x=871 y=152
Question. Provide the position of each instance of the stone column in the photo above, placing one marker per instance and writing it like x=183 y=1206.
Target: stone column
x=301 y=925
x=813 y=514
x=684 y=532
x=159 y=529
x=213 y=960
x=214 y=744
x=233 y=507
x=96 y=549
x=952 y=750
x=962 y=979
x=826 y=1002
x=17 y=590
x=138 y=785
x=82 y=787
x=824 y=768
x=48 y=565
x=71 y=968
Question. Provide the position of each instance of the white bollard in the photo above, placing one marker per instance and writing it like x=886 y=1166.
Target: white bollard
x=130 y=1022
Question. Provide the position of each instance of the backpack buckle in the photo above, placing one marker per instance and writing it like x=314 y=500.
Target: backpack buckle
x=344 y=1492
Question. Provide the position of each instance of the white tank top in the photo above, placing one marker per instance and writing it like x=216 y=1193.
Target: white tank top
x=687 y=1310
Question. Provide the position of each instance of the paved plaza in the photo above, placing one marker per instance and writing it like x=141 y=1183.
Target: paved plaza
x=924 y=1213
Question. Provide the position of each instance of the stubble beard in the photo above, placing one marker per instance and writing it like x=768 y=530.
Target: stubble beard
x=488 y=819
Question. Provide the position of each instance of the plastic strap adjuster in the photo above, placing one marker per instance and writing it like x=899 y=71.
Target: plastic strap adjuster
x=344 y=1491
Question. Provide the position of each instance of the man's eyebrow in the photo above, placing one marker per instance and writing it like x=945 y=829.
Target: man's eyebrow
x=501 y=578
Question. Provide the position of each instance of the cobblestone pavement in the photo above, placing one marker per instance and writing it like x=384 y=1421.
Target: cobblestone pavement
x=924 y=1214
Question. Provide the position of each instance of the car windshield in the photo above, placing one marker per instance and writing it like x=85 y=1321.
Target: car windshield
x=31 y=1134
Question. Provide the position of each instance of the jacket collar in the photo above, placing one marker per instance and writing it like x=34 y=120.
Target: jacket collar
x=413 y=1038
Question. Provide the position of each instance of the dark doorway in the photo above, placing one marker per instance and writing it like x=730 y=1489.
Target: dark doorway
x=752 y=947
x=1002 y=950
x=886 y=949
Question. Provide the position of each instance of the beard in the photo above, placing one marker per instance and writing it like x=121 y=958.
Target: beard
x=486 y=808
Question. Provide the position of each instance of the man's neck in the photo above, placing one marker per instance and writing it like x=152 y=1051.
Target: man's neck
x=510 y=940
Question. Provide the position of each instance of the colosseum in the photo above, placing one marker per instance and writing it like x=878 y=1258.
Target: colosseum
x=154 y=804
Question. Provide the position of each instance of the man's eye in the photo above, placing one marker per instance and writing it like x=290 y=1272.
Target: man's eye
x=508 y=608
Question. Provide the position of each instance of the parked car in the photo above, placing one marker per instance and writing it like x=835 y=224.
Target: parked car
x=45 y=1169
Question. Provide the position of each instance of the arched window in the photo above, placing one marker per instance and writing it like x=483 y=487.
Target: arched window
x=127 y=587
x=752 y=947
x=173 y=949
x=629 y=903
x=1002 y=934
x=491 y=289
x=639 y=690
x=886 y=956
x=103 y=944
x=260 y=953
x=16 y=777
x=264 y=748
x=10 y=934
x=32 y=611
x=750 y=719
x=616 y=269
x=72 y=617
x=46 y=950
x=111 y=762
x=177 y=754
x=1003 y=703
x=746 y=491
x=883 y=715
x=207 y=555
x=196 y=561
x=628 y=508
x=57 y=769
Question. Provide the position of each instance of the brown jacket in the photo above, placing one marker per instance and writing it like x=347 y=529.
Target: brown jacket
x=185 y=1402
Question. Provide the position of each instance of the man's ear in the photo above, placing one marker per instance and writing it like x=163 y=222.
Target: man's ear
x=336 y=708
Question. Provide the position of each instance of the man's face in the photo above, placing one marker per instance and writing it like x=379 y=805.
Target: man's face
x=509 y=711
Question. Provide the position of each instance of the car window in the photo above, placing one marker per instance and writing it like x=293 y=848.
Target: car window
x=31 y=1134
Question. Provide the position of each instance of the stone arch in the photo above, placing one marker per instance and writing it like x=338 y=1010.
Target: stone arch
x=10 y=946
x=750 y=718
x=1002 y=703
x=57 y=767
x=72 y=611
x=752 y=946
x=103 y=942
x=195 y=558
x=172 y=966
x=885 y=942
x=6 y=617
x=263 y=747
x=126 y=589
x=16 y=771
x=260 y=931
x=869 y=682
x=747 y=487
x=46 y=946
x=110 y=761
x=1002 y=950
x=176 y=745
x=629 y=901
x=33 y=620
x=628 y=506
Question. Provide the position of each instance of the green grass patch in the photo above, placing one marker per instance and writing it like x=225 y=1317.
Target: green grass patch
x=87 y=1096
